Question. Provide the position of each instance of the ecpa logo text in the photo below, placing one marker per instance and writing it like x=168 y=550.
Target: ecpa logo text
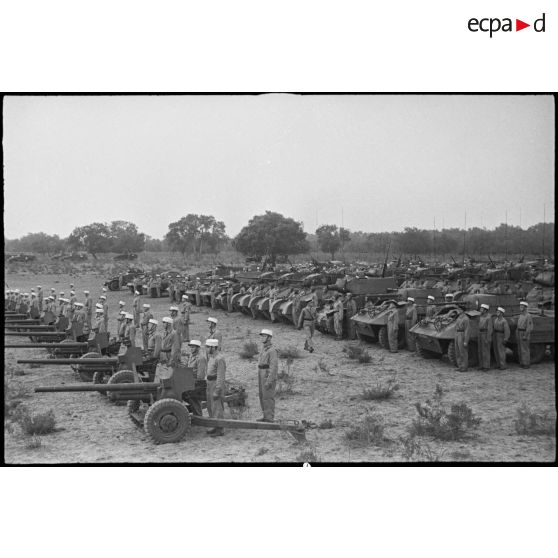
x=494 y=24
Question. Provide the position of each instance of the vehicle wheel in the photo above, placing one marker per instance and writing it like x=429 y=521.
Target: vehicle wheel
x=133 y=406
x=101 y=377
x=451 y=353
x=86 y=373
x=167 y=421
x=537 y=351
x=120 y=377
x=383 y=338
x=425 y=353
x=114 y=285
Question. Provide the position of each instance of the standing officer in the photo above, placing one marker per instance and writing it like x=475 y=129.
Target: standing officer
x=136 y=308
x=99 y=322
x=485 y=337
x=129 y=331
x=296 y=306
x=79 y=326
x=216 y=370
x=177 y=323
x=524 y=329
x=338 y=317
x=351 y=311
x=170 y=344
x=154 y=341
x=214 y=333
x=501 y=333
x=230 y=293
x=411 y=318
x=103 y=301
x=462 y=335
x=198 y=362
x=393 y=326
x=268 y=365
x=88 y=305
x=40 y=296
x=185 y=311
x=147 y=316
x=121 y=324
x=171 y=289
x=307 y=320
x=430 y=306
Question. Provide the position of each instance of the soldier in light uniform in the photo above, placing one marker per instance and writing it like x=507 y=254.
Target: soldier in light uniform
x=485 y=337
x=147 y=315
x=177 y=323
x=448 y=298
x=40 y=297
x=430 y=306
x=73 y=297
x=185 y=312
x=523 y=335
x=338 y=318
x=307 y=320
x=155 y=340
x=393 y=327
x=214 y=333
x=230 y=293
x=462 y=335
x=79 y=322
x=121 y=324
x=198 y=362
x=296 y=306
x=171 y=289
x=411 y=318
x=88 y=305
x=268 y=366
x=99 y=322
x=351 y=311
x=129 y=336
x=103 y=301
x=501 y=333
x=34 y=310
x=136 y=308
x=216 y=387
x=170 y=345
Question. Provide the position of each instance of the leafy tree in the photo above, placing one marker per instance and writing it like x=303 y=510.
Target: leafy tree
x=271 y=235
x=125 y=237
x=196 y=233
x=328 y=239
x=93 y=238
x=41 y=243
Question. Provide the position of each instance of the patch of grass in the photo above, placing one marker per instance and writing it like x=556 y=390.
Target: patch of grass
x=322 y=366
x=40 y=423
x=33 y=443
x=325 y=424
x=531 y=423
x=357 y=352
x=369 y=432
x=380 y=392
x=308 y=455
x=435 y=420
x=249 y=350
x=364 y=357
x=285 y=383
x=290 y=353
x=416 y=450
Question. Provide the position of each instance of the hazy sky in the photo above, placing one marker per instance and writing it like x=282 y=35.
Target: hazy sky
x=381 y=162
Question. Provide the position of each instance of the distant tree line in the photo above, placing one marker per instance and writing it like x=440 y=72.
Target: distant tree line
x=272 y=234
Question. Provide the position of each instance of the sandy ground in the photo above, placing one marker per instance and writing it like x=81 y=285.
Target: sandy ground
x=92 y=430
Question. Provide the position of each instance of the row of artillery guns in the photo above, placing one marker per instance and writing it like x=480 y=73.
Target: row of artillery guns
x=164 y=401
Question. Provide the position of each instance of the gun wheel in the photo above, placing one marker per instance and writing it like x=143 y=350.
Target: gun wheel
x=383 y=338
x=86 y=373
x=101 y=377
x=167 y=421
x=452 y=353
x=121 y=377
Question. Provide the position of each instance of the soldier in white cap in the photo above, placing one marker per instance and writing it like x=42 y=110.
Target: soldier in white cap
x=197 y=288
x=103 y=301
x=72 y=297
x=501 y=333
x=230 y=294
x=177 y=323
x=88 y=306
x=338 y=317
x=462 y=335
x=485 y=337
x=155 y=340
x=136 y=308
x=170 y=344
x=185 y=322
x=147 y=315
x=197 y=360
x=216 y=387
x=214 y=333
x=79 y=323
x=34 y=311
x=99 y=323
x=40 y=297
x=392 y=327
x=430 y=306
x=129 y=337
x=523 y=335
x=351 y=311
x=411 y=318
x=121 y=324
x=268 y=365
x=307 y=320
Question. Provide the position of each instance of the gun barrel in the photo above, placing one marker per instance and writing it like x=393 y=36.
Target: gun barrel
x=31 y=327
x=143 y=386
x=46 y=345
x=22 y=322
x=72 y=361
x=27 y=333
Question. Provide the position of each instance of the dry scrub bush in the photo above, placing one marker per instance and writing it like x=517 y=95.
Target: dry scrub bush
x=356 y=352
x=434 y=419
x=380 y=392
x=33 y=443
x=249 y=350
x=415 y=450
x=326 y=424
x=308 y=455
x=531 y=423
x=40 y=423
x=369 y=432
x=285 y=382
x=289 y=353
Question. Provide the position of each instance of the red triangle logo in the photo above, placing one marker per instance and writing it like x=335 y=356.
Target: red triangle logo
x=519 y=25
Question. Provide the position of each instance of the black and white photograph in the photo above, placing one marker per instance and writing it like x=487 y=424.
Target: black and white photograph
x=279 y=278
